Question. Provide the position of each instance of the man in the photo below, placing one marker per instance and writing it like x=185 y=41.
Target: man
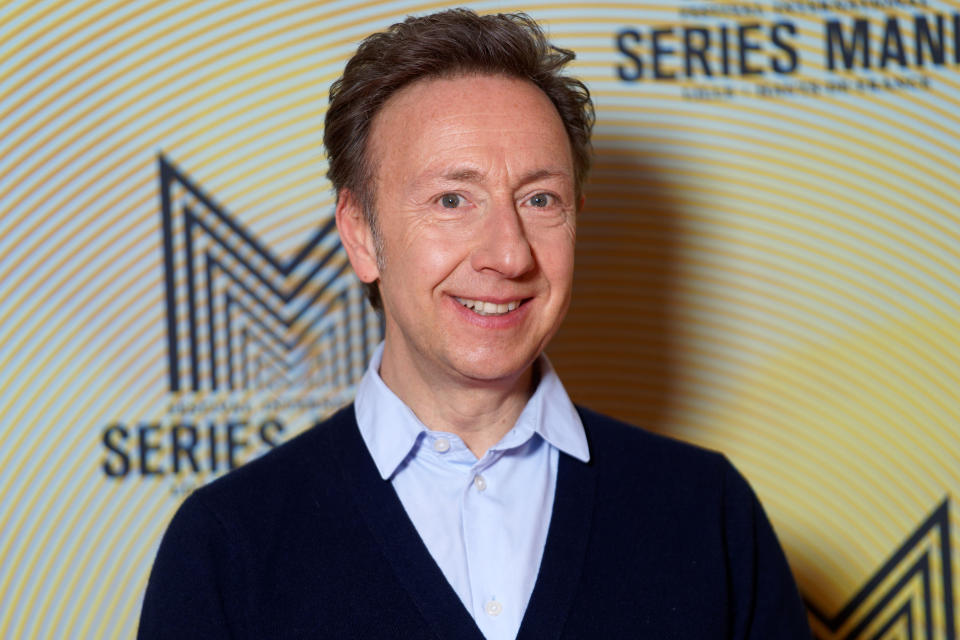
x=463 y=495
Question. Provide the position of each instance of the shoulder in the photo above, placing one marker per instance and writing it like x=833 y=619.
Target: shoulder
x=290 y=472
x=698 y=541
x=613 y=442
x=678 y=472
x=276 y=521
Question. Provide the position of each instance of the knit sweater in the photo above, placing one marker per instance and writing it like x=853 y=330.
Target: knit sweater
x=652 y=538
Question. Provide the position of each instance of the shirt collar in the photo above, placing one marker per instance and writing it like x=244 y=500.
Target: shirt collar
x=390 y=429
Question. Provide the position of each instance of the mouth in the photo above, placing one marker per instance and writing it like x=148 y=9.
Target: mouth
x=489 y=308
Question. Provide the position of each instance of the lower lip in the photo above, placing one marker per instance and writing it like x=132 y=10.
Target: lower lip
x=506 y=321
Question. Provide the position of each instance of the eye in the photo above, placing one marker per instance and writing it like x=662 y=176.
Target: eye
x=451 y=200
x=540 y=200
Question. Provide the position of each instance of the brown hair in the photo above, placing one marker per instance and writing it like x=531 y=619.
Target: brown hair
x=443 y=44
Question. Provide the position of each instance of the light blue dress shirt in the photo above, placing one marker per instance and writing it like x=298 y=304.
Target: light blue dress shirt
x=484 y=521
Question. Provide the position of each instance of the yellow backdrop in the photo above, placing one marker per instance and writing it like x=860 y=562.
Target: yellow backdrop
x=768 y=265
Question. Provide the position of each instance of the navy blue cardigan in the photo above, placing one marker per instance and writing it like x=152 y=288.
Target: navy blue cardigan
x=651 y=539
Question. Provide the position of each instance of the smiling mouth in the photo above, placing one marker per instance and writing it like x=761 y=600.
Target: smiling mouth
x=489 y=308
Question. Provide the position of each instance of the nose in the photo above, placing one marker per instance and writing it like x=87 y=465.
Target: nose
x=502 y=244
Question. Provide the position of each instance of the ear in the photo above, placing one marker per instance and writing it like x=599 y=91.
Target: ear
x=356 y=236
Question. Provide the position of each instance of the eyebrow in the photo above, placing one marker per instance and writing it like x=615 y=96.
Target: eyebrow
x=463 y=175
x=472 y=175
x=543 y=173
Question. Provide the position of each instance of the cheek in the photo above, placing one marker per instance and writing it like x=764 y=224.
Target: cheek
x=426 y=256
x=556 y=256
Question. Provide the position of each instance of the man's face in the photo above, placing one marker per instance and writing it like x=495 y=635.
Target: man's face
x=476 y=207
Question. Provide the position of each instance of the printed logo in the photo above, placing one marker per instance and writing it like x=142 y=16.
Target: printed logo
x=259 y=348
x=786 y=48
x=239 y=318
x=910 y=596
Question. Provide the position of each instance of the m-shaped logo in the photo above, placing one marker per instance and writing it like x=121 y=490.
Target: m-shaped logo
x=910 y=596
x=258 y=347
x=240 y=318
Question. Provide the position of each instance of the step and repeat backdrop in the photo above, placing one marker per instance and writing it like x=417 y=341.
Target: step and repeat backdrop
x=768 y=265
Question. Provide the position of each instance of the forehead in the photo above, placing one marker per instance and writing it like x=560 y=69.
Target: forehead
x=490 y=121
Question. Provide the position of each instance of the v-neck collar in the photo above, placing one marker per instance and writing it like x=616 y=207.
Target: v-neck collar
x=415 y=568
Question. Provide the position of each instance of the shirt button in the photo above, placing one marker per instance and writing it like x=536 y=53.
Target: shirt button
x=493 y=608
x=480 y=484
x=441 y=445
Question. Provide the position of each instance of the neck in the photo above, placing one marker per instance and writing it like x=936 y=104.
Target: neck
x=478 y=412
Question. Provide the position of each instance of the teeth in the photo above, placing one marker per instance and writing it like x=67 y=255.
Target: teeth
x=488 y=308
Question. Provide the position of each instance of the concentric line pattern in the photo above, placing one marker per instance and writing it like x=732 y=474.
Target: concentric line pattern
x=775 y=278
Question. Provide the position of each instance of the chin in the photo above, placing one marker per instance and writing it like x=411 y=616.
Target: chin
x=494 y=367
